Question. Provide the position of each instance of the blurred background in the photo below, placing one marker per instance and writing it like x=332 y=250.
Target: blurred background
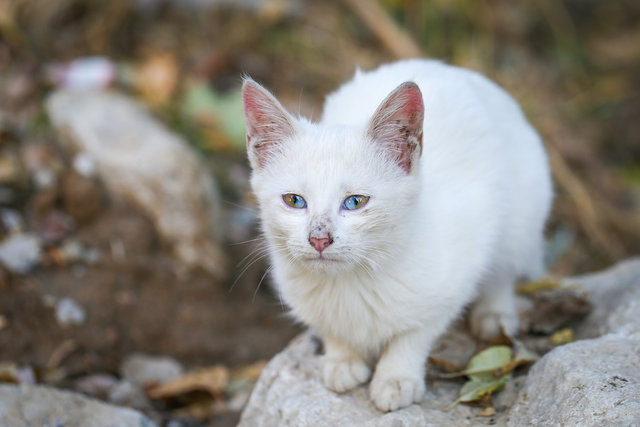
x=91 y=274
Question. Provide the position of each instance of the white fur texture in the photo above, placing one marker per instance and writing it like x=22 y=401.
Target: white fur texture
x=467 y=222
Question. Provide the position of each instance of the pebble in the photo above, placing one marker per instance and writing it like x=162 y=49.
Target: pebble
x=144 y=370
x=21 y=252
x=69 y=312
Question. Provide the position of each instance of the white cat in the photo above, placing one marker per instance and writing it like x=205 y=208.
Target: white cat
x=422 y=188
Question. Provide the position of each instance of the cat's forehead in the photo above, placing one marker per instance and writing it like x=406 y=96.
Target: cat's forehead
x=337 y=147
x=325 y=159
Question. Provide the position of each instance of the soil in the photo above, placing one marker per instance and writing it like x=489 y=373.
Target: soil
x=138 y=299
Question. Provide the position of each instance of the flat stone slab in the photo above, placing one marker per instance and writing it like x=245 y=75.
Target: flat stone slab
x=591 y=382
x=43 y=406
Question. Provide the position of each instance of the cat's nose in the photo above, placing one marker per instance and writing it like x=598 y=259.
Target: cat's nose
x=321 y=243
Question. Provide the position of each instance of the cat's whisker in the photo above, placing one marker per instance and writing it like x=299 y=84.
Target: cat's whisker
x=259 y=283
x=255 y=211
x=263 y=254
x=247 y=241
x=250 y=255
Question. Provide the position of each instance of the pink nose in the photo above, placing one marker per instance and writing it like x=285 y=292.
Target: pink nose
x=320 y=244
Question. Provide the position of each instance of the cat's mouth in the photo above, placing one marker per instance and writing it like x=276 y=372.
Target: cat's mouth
x=321 y=258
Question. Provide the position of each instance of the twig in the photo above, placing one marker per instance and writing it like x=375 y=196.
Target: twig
x=396 y=40
x=589 y=216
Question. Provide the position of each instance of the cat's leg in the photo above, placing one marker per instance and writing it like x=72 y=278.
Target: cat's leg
x=399 y=379
x=342 y=368
x=495 y=309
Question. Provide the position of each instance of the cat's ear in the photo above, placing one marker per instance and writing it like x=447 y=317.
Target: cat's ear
x=268 y=123
x=397 y=125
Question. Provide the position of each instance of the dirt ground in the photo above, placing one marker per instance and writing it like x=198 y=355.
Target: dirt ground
x=143 y=302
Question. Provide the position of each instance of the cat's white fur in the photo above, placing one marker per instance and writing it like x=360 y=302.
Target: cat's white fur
x=466 y=221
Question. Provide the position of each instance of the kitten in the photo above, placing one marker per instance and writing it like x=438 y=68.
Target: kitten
x=422 y=188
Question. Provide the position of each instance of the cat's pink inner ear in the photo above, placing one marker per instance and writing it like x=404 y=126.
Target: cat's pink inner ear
x=268 y=124
x=397 y=124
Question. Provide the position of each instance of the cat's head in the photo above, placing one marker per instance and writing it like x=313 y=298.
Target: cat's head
x=334 y=198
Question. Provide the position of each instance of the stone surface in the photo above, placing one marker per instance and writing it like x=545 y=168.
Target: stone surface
x=145 y=371
x=590 y=382
x=594 y=381
x=615 y=294
x=143 y=163
x=20 y=252
x=43 y=406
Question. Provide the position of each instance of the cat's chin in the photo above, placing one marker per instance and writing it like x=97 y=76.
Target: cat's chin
x=324 y=263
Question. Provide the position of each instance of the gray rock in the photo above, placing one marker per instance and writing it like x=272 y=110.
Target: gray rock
x=615 y=294
x=592 y=382
x=589 y=382
x=20 y=252
x=43 y=406
x=143 y=163
x=127 y=394
x=144 y=371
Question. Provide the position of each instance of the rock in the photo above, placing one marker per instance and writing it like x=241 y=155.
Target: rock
x=128 y=394
x=96 y=385
x=588 y=382
x=43 y=406
x=143 y=163
x=146 y=371
x=615 y=294
x=20 y=252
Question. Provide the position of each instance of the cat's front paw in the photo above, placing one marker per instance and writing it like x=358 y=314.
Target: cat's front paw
x=341 y=375
x=389 y=394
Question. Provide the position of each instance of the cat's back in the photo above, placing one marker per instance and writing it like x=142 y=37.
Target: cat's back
x=444 y=88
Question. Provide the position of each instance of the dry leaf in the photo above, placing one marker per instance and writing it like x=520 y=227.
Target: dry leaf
x=9 y=373
x=547 y=284
x=522 y=356
x=502 y=339
x=444 y=364
x=244 y=378
x=487 y=412
x=57 y=256
x=212 y=380
x=563 y=336
x=156 y=79
x=251 y=372
x=202 y=410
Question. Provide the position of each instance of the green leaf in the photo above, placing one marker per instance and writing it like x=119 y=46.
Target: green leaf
x=522 y=356
x=202 y=101
x=478 y=388
x=484 y=363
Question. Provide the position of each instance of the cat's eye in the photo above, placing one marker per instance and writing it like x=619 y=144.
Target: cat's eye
x=355 y=202
x=294 y=201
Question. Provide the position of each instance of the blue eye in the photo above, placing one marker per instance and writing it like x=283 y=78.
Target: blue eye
x=294 y=201
x=354 y=202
